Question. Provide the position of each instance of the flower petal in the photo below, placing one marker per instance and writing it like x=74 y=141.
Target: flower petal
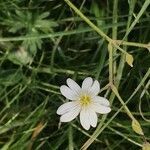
x=92 y=118
x=69 y=116
x=101 y=100
x=101 y=108
x=87 y=83
x=68 y=93
x=66 y=107
x=84 y=119
x=95 y=89
x=73 y=85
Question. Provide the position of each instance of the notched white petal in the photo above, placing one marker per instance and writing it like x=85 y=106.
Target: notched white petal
x=68 y=93
x=69 y=116
x=84 y=119
x=73 y=85
x=93 y=118
x=95 y=89
x=101 y=108
x=66 y=108
x=101 y=100
x=87 y=83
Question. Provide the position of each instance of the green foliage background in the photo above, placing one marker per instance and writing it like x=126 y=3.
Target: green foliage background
x=44 y=42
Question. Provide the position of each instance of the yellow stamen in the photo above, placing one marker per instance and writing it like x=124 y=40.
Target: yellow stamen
x=85 y=100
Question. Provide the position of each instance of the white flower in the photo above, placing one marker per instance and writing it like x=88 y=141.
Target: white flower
x=84 y=101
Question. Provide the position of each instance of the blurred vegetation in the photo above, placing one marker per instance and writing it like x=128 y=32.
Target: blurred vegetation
x=42 y=43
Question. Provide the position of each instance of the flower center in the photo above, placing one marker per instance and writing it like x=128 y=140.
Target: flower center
x=85 y=100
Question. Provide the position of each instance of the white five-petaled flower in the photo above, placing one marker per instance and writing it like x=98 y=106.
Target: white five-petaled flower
x=84 y=101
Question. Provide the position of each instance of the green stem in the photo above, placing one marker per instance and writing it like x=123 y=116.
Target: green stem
x=114 y=89
x=100 y=32
x=110 y=49
x=144 y=7
x=70 y=138
x=132 y=44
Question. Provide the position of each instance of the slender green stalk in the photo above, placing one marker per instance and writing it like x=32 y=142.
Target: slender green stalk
x=114 y=89
x=144 y=7
x=99 y=31
x=70 y=137
x=110 y=49
x=124 y=136
x=133 y=44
